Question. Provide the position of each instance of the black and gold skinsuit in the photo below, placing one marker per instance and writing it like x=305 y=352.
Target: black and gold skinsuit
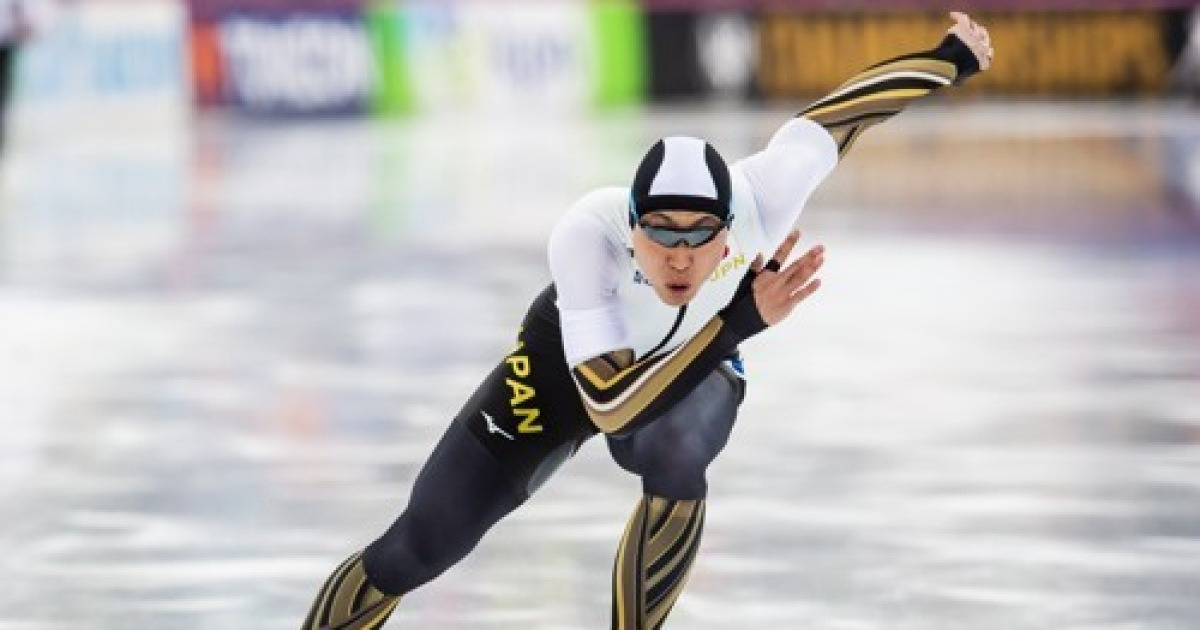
x=534 y=410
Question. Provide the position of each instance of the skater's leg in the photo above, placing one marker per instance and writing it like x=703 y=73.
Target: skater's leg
x=348 y=601
x=662 y=538
x=483 y=468
x=460 y=493
x=654 y=559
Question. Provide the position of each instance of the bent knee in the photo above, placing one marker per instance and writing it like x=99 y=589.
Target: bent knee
x=678 y=487
x=679 y=470
x=409 y=555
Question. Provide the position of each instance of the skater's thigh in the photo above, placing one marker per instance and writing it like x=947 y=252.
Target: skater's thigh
x=527 y=415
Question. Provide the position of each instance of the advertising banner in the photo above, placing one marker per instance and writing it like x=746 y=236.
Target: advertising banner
x=875 y=7
x=790 y=55
x=208 y=66
x=804 y=54
x=294 y=58
x=673 y=66
x=393 y=88
x=619 y=52
x=105 y=56
x=299 y=57
x=513 y=56
x=303 y=63
x=702 y=55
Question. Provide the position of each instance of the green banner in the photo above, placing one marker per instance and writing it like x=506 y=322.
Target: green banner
x=620 y=58
x=394 y=90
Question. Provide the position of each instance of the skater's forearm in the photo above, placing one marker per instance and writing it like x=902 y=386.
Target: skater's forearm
x=883 y=90
x=620 y=394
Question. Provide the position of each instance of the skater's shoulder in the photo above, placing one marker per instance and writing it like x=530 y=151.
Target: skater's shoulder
x=603 y=200
x=600 y=211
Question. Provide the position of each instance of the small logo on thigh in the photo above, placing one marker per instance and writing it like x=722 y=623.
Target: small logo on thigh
x=493 y=427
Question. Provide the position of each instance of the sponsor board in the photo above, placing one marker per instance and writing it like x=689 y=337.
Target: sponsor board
x=208 y=66
x=337 y=56
x=514 y=56
x=702 y=55
x=213 y=10
x=334 y=56
x=104 y=57
x=1067 y=53
x=1183 y=39
x=917 y=5
x=296 y=63
x=727 y=45
x=393 y=88
x=619 y=52
x=795 y=55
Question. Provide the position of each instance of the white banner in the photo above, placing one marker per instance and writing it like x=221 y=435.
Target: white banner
x=515 y=56
x=104 y=59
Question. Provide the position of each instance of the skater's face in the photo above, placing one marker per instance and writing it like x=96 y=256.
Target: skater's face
x=677 y=272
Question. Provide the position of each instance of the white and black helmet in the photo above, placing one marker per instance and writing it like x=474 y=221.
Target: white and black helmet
x=682 y=173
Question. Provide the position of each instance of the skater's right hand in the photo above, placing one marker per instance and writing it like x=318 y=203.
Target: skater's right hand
x=769 y=292
x=975 y=36
x=778 y=289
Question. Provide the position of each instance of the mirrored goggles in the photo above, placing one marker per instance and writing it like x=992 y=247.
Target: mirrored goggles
x=676 y=236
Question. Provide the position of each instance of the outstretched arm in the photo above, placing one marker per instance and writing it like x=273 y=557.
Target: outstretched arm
x=883 y=90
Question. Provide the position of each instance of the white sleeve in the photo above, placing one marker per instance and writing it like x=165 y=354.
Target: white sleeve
x=798 y=158
x=583 y=262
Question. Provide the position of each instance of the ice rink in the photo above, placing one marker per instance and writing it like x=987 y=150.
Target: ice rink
x=226 y=347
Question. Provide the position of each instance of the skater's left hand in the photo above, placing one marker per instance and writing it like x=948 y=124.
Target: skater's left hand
x=974 y=36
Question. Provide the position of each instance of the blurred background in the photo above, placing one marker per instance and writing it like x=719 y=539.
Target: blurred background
x=254 y=254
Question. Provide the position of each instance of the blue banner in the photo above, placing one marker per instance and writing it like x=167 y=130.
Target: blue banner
x=299 y=63
x=105 y=52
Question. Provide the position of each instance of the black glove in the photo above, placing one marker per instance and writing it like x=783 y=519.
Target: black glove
x=953 y=49
x=741 y=316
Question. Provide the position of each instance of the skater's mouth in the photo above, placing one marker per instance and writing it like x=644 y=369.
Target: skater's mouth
x=678 y=288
